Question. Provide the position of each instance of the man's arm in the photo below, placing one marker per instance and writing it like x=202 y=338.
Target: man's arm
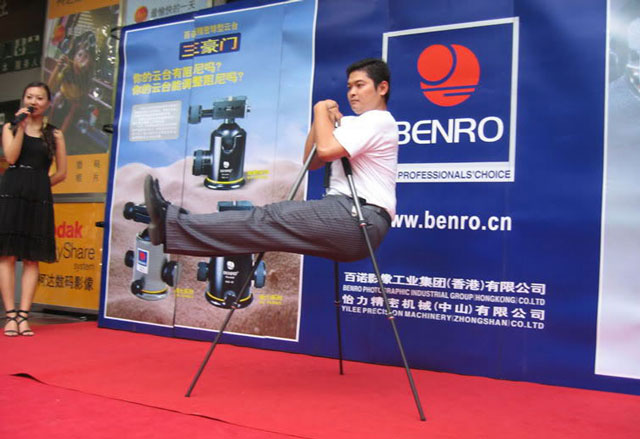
x=308 y=146
x=326 y=116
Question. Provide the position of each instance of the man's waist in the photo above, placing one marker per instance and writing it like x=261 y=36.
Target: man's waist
x=379 y=210
x=365 y=204
x=369 y=197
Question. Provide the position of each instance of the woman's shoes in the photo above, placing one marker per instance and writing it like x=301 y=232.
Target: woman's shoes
x=23 y=317
x=10 y=332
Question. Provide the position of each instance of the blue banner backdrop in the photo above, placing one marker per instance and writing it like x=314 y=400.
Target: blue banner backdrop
x=492 y=264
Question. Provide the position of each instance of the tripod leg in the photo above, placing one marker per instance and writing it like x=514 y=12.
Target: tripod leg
x=206 y=358
x=391 y=318
x=336 y=274
x=363 y=226
x=234 y=306
x=247 y=281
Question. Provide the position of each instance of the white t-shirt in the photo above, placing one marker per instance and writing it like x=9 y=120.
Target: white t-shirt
x=371 y=140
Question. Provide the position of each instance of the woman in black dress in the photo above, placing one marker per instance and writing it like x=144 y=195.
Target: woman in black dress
x=26 y=204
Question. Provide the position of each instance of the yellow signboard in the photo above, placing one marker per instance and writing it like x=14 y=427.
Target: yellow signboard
x=60 y=8
x=74 y=280
x=86 y=173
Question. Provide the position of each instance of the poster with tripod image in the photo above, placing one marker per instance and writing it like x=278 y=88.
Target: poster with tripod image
x=188 y=89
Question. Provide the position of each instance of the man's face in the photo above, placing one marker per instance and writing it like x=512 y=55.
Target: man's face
x=363 y=95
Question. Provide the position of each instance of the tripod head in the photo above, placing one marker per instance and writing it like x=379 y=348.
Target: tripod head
x=229 y=109
x=223 y=163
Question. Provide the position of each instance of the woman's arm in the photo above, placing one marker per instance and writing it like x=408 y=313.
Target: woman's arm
x=61 y=158
x=12 y=144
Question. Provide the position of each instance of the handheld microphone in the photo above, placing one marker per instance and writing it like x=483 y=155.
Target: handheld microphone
x=22 y=116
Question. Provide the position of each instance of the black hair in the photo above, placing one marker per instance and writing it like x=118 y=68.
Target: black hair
x=37 y=84
x=376 y=69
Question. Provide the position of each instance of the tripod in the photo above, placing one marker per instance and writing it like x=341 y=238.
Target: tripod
x=362 y=224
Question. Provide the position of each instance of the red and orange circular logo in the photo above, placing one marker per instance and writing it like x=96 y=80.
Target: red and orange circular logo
x=450 y=74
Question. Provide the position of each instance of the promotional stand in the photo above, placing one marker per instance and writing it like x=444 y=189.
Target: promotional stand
x=512 y=229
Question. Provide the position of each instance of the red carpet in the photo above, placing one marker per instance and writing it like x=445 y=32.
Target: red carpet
x=304 y=396
x=32 y=410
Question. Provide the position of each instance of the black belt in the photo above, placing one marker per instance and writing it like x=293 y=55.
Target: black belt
x=379 y=210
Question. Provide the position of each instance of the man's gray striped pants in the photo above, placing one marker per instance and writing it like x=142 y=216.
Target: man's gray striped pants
x=327 y=228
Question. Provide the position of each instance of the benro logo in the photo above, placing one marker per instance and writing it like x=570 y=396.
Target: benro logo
x=457 y=100
x=450 y=74
x=143 y=257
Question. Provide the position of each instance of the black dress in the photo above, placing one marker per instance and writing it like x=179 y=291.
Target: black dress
x=26 y=205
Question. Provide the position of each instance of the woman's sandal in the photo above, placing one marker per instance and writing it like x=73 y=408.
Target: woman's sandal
x=22 y=317
x=10 y=332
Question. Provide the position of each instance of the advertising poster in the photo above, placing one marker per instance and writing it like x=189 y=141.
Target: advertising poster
x=618 y=352
x=217 y=109
x=78 y=66
x=73 y=281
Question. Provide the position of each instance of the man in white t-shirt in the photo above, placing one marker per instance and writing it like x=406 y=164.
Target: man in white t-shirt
x=326 y=227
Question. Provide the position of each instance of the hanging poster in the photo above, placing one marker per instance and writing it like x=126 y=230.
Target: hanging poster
x=78 y=66
x=189 y=89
